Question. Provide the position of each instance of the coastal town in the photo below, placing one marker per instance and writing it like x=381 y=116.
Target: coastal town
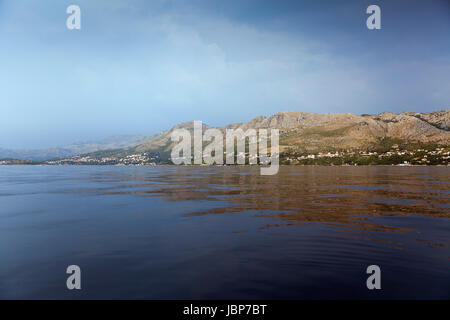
x=132 y=159
x=396 y=155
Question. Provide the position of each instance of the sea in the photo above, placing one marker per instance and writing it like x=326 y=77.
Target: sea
x=224 y=232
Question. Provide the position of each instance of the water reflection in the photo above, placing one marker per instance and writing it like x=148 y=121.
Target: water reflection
x=340 y=196
x=173 y=232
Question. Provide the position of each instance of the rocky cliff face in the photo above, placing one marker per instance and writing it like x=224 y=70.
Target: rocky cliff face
x=162 y=141
x=313 y=131
x=439 y=119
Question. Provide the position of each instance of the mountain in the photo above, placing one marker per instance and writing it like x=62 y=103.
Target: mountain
x=440 y=119
x=112 y=142
x=312 y=132
x=162 y=141
x=300 y=133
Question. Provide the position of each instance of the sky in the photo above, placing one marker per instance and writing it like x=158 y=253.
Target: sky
x=142 y=66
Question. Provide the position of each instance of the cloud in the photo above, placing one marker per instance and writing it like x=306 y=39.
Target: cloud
x=140 y=67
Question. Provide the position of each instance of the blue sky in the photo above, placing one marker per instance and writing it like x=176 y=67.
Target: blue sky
x=139 y=67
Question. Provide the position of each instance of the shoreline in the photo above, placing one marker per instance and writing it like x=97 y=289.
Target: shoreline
x=230 y=165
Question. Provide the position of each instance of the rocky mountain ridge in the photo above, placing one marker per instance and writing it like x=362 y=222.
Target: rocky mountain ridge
x=314 y=132
x=300 y=133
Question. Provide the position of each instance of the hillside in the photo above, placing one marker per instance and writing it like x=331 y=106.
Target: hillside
x=305 y=138
x=77 y=148
x=312 y=132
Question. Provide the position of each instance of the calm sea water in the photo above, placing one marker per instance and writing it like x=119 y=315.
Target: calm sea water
x=173 y=232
